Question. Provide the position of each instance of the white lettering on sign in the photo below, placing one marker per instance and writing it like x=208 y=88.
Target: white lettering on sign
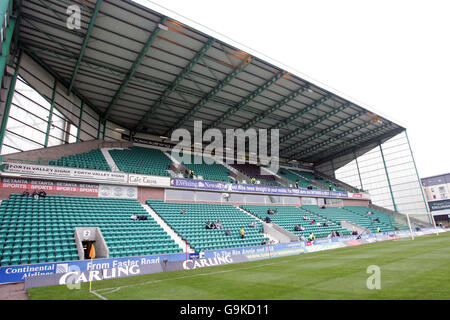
x=209 y=262
x=97 y=275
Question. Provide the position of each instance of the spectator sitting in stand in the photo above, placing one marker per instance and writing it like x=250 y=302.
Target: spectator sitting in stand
x=133 y=216
x=302 y=238
x=183 y=211
x=253 y=224
x=313 y=221
x=25 y=193
x=242 y=233
x=318 y=224
x=208 y=225
x=297 y=227
x=42 y=194
x=35 y=195
x=227 y=232
x=219 y=225
x=323 y=207
x=268 y=220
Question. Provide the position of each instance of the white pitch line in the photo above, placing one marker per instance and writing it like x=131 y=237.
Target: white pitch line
x=98 y=295
x=115 y=289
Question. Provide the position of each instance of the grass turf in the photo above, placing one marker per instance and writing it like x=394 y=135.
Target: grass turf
x=416 y=269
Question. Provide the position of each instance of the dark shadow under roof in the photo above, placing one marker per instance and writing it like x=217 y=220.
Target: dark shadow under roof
x=153 y=74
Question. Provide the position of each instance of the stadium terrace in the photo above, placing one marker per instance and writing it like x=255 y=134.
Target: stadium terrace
x=91 y=181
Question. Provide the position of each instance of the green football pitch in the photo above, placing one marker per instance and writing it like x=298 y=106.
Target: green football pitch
x=409 y=269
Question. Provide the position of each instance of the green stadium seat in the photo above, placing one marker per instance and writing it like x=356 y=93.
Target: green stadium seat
x=51 y=235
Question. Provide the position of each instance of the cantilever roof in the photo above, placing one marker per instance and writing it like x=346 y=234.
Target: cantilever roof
x=153 y=74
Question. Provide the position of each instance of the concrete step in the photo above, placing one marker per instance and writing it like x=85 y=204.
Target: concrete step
x=175 y=161
x=350 y=226
x=249 y=214
x=178 y=240
x=109 y=159
x=13 y=291
x=271 y=238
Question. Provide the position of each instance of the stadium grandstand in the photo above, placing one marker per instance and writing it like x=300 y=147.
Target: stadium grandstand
x=87 y=115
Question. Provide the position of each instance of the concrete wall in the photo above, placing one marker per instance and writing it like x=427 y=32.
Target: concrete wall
x=56 y=152
x=363 y=203
x=101 y=249
x=150 y=194
x=279 y=233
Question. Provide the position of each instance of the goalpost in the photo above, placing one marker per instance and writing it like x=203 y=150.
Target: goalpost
x=417 y=221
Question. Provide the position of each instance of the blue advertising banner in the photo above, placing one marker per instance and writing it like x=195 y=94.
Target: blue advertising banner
x=284 y=249
x=261 y=252
x=195 y=255
x=21 y=272
x=231 y=187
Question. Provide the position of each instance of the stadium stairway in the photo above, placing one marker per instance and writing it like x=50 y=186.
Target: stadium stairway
x=289 y=216
x=337 y=215
x=353 y=226
x=175 y=237
x=291 y=177
x=270 y=237
x=384 y=218
x=112 y=164
x=234 y=173
x=191 y=226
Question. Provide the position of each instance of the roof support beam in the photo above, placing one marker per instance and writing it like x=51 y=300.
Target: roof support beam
x=323 y=132
x=300 y=113
x=275 y=107
x=85 y=42
x=208 y=97
x=333 y=139
x=339 y=153
x=133 y=68
x=356 y=139
x=247 y=100
x=313 y=123
x=6 y=110
x=173 y=86
x=64 y=82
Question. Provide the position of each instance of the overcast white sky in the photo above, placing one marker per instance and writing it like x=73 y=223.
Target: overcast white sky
x=392 y=57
